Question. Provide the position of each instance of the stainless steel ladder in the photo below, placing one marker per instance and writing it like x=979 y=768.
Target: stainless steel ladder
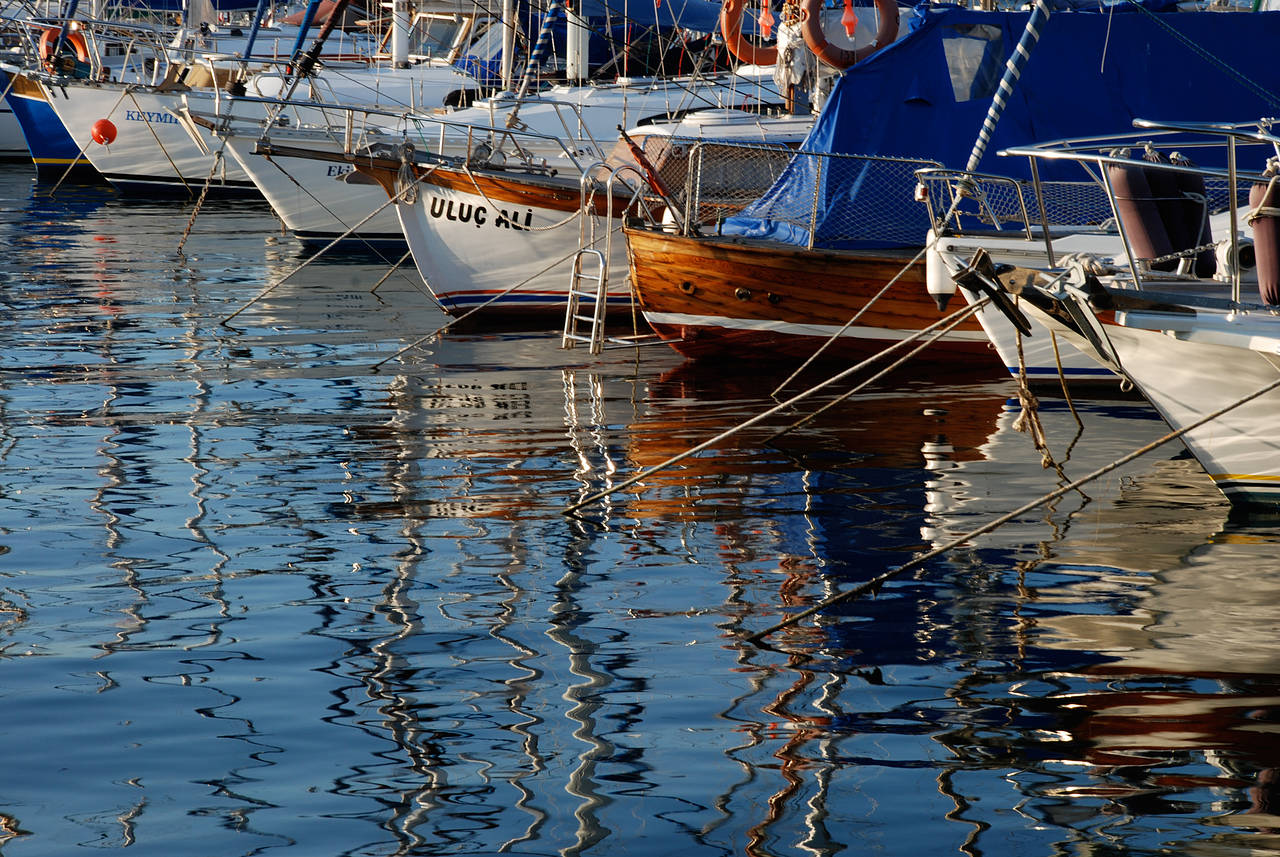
x=594 y=292
x=585 y=285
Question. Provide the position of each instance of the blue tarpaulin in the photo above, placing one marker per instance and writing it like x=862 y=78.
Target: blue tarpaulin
x=1092 y=73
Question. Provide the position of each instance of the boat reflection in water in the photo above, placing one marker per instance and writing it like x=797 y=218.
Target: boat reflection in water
x=1189 y=697
x=1093 y=673
x=375 y=564
x=1148 y=680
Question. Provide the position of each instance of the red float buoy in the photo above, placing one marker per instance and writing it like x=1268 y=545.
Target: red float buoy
x=103 y=132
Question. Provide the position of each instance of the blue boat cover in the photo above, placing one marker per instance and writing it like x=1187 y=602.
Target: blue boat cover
x=1092 y=73
x=700 y=15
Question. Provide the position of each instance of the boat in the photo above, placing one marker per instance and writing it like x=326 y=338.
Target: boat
x=1202 y=349
x=716 y=296
x=321 y=201
x=152 y=149
x=925 y=97
x=302 y=170
x=174 y=154
x=531 y=247
x=128 y=51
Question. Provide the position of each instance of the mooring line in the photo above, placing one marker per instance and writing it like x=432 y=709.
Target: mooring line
x=71 y=166
x=159 y=142
x=879 y=580
x=262 y=294
x=823 y=347
x=392 y=270
x=304 y=189
x=475 y=309
x=627 y=483
x=960 y=316
x=204 y=193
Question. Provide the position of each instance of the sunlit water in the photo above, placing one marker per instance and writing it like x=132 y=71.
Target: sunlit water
x=257 y=596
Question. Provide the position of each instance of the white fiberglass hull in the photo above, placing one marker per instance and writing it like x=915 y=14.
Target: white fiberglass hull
x=153 y=152
x=318 y=200
x=1191 y=367
x=12 y=143
x=473 y=250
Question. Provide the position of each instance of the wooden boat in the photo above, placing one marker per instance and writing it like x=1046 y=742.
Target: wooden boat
x=736 y=299
x=796 y=264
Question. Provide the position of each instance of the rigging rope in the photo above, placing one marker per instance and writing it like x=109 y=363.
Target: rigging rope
x=875 y=583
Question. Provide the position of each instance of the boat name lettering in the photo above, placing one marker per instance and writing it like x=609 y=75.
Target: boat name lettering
x=465 y=212
x=150 y=116
x=340 y=169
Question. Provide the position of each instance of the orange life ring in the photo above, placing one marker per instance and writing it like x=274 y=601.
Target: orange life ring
x=50 y=37
x=731 y=29
x=811 y=28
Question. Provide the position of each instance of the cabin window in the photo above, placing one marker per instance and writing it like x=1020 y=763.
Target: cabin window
x=975 y=59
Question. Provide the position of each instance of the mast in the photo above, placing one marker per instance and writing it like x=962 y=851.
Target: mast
x=508 y=43
x=258 y=15
x=308 y=61
x=576 y=45
x=401 y=22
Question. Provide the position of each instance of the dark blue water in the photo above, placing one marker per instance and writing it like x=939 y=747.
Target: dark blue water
x=259 y=597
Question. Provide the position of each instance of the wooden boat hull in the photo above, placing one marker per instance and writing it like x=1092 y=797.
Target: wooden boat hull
x=723 y=298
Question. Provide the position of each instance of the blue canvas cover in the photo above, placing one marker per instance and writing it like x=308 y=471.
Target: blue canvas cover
x=699 y=15
x=926 y=95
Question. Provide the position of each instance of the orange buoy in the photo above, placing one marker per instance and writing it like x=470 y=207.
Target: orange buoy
x=731 y=29
x=103 y=132
x=50 y=37
x=840 y=58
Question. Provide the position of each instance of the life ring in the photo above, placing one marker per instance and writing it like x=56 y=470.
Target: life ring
x=841 y=58
x=50 y=37
x=731 y=29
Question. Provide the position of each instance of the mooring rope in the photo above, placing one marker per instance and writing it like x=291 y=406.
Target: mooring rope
x=960 y=316
x=71 y=166
x=879 y=580
x=645 y=474
x=269 y=289
x=490 y=301
x=204 y=192
x=833 y=337
x=327 y=210
x=1258 y=89
x=582 y=209
x=151 y=128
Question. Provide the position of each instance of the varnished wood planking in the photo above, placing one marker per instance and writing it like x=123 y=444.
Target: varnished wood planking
x=782 y=284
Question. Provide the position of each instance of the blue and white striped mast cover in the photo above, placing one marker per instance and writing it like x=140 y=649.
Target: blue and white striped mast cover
x=1012 y=71
x=536 y=57
x=542 y=47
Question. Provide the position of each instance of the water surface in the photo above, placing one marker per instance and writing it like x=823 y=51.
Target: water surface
x=259 y=596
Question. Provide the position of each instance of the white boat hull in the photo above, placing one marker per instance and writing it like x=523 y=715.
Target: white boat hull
x=318 y=200
x=473 y=250
x=1188 y=376
x=154 y=152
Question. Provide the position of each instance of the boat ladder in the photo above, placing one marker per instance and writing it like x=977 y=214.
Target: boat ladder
x=594 y=290
x=589 y=280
